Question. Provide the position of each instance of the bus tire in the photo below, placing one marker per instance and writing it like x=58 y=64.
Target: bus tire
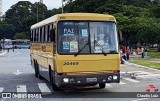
x=39 y=75
x=35 y=69
x=102 y=85
x=54 y=86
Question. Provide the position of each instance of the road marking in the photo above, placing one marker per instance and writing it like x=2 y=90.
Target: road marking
x=17 y=73
x=141 y=99
x=3 y=53
x=3 y=99
x=122 y=83
x=44 y=88
x=108 y=85
x=131 y=80
x=1 y=89
x=21 y=88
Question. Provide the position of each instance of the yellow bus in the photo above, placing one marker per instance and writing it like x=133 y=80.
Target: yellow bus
x=76 y=49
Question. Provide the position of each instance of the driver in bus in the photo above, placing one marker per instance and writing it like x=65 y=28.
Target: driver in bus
x=103 y=40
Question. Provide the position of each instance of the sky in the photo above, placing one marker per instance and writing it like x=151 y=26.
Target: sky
x=49 y=3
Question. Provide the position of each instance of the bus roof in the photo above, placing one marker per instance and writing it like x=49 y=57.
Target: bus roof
x=75 y=16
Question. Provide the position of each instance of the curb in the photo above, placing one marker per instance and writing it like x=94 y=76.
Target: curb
x=139 y=66
x=3 y=53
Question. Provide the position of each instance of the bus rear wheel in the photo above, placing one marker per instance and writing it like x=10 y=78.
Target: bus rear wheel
x=36 y=69
x=37 y=74
x=102 y=85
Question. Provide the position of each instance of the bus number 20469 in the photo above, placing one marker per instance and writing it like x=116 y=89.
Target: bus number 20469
x=71 y=63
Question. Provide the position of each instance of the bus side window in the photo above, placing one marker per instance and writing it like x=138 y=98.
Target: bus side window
x=41 y=34
x=44 y=33
x=52 y=35
x=42 y=37
x=34 y=34
x=37 y=34
x=48 y=33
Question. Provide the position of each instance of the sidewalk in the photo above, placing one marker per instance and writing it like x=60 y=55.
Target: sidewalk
x=138 y=58
x=3 y=52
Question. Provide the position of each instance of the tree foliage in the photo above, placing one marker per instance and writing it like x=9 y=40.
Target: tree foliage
x=20 y=17
x=138 y=20
x=20 y=36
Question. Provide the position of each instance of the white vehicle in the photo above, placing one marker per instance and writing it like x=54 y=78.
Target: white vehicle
x=7 y=43
x=21 y=44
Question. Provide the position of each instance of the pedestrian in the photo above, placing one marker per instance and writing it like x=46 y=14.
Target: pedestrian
x=138 y=50
x=124 y=53
x=142 y=51
x=145 y=51
x=128 y=52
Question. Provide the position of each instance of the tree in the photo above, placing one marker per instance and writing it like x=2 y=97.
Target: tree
x=20 y=36
x=6 y=30
x=24 y=14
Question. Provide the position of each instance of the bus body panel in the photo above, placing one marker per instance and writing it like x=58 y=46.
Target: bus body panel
x=87 y=63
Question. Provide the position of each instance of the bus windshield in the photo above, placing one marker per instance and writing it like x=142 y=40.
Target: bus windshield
x=101 y=37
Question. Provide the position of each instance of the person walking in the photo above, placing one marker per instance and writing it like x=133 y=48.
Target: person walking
x=124 y=53
x=142 y=51
x=128 y=52
x=138 y=50
x=145 y=52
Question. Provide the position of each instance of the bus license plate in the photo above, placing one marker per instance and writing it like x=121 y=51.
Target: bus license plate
x=91 y=79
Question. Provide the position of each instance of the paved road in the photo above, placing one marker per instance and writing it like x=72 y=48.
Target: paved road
x=133 y=79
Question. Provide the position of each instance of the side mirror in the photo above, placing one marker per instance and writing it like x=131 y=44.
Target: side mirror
x=52 y=35
x=120 y=36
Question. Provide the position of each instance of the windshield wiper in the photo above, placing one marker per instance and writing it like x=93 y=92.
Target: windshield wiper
x=113 y=51
x=86 y=44
x=101 y=48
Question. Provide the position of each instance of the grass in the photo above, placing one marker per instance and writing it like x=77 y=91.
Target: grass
x=148 y=64
x=154 y=54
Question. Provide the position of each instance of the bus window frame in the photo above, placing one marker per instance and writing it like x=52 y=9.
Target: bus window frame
x=90 y=53
x=34 y=35
x=41 y=31
x=46 y=34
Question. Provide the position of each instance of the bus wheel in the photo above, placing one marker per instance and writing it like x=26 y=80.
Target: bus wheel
x=36 y=70
x=54 y=87
x=102 y=85
x=39 y=75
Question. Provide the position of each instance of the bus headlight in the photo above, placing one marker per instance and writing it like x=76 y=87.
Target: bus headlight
x=109 y=78
x=66 y=80
x=115 y=77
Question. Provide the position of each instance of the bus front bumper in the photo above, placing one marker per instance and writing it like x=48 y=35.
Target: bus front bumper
x=78 y=80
